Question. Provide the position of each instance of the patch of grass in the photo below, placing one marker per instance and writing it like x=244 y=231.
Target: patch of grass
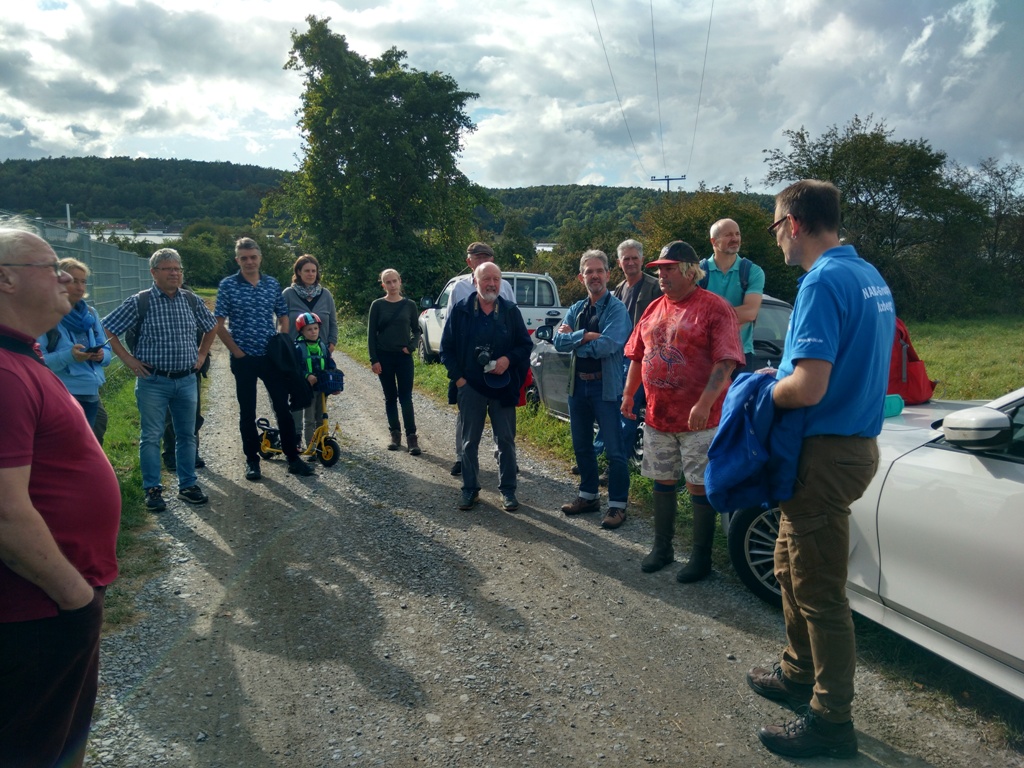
x=139 y=556
x=971 y=359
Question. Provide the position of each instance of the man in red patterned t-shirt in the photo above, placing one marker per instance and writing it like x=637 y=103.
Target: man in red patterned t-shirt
x=683 y=349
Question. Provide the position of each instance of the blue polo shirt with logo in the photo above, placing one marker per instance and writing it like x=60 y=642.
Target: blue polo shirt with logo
x=843 y=314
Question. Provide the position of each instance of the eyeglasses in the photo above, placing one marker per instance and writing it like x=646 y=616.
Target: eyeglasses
x=55 y=266
x=777 y=224
x=169 y=269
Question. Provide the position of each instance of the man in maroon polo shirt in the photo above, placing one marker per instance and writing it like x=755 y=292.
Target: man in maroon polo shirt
x=60 y=508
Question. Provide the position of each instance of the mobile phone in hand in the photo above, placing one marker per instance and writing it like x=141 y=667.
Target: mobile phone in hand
x=91 y=350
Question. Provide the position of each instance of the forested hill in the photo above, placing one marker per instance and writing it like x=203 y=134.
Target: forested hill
x=542 y=210
x=141 y=189
x=149 y=191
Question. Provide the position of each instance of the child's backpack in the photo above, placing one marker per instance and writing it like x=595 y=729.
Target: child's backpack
x=907 y=376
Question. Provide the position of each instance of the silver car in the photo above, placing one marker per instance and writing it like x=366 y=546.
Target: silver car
x=935 y=540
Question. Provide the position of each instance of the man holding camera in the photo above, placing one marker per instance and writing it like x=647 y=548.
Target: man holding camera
x=486 y=349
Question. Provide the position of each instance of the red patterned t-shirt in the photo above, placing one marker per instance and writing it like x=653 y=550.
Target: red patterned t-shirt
x=678 y=343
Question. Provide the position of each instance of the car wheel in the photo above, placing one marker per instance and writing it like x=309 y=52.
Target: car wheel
x=424 y=352
x=752 y=533
x=636 y=454
x=533 y=398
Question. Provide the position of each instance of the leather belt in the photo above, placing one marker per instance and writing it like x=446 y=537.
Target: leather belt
x=589 y=376
x=170 y=374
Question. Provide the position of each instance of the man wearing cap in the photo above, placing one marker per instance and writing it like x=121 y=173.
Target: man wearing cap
x=247 y=304
x=835 y=368
x=60 y=508
x=725 y=276
x=166 y=357
x=486 y=348
x=476 y=254
x=683 y=350
x=595 y=331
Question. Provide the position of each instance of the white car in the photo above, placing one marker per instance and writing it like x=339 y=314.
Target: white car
x=536 y=297
x=935 y=540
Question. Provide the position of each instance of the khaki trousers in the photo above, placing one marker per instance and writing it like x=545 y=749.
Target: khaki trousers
x=811 y=556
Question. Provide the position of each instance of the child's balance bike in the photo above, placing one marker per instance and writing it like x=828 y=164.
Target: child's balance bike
x=324 y=445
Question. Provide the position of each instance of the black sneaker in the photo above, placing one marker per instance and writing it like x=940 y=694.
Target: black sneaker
x=252 y=471
x=155 y=499
x=456 y=469
x=298 y=467
x=509 y=502
x=469 y=499
x=199 y=462
x=193 y=495
x=809 y=736
x=772 y=684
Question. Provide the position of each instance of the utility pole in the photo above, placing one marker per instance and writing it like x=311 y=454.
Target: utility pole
x=668 y=180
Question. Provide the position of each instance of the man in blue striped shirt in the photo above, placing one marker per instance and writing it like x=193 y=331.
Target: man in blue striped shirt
x=164 y=361
x=247 y=303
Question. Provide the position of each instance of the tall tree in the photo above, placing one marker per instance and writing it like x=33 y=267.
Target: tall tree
x=900 y=208
x=378 y=185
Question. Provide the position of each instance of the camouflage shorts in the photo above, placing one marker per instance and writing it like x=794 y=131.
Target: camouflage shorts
x=669 y=455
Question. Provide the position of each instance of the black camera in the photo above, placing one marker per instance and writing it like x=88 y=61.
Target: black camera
x=483 y=354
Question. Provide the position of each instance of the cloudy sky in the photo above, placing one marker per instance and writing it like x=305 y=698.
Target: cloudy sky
x=204 y=79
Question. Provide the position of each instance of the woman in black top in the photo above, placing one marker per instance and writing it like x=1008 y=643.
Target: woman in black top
x=392 y=332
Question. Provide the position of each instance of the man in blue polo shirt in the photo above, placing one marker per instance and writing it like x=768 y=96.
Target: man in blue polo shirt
x=247 y=303
x=725 y=276
x=835 y=367
x=164 y=361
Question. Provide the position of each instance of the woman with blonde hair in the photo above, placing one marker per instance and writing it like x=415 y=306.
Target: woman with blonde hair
x=76 y=350
x=392 y=332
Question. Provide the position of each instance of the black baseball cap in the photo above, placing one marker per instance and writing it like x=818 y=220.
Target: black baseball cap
x=676 y=252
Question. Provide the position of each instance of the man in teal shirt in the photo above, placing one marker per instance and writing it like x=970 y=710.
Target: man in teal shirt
x=725 y=276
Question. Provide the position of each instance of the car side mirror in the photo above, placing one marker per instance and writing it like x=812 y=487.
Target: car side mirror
x=426 y=303
x=544 y=333
x=978 y=429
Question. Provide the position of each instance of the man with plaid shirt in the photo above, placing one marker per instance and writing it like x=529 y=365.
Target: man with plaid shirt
x=164 y=361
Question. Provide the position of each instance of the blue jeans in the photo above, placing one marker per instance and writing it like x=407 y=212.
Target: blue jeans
x=475 y=408
x=627 y=427
x=154 y=395
x=586 y=407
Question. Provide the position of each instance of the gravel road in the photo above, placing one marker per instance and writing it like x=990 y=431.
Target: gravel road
x=359 y=618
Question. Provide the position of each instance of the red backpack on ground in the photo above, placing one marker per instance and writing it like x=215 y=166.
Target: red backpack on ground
x=907 y=376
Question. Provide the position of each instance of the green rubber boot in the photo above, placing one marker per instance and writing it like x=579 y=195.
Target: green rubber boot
x=699 y=565
x=664 y=530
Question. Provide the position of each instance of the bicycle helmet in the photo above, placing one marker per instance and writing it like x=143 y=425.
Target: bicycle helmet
x=305 y=319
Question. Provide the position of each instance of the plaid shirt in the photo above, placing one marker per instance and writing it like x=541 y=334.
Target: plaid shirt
x=167 y=338
x=251 y=310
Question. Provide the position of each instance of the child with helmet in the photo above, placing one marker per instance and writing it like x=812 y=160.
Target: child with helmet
x=313 y=358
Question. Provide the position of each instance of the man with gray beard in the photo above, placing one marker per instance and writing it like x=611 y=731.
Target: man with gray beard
x=486 y=349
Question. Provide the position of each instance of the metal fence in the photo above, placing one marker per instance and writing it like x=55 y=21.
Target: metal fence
x=116 y=274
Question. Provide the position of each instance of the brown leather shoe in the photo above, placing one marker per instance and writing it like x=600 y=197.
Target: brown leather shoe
x=809 y=736
x=616 y=516
x=772 y=684
x=582 y=506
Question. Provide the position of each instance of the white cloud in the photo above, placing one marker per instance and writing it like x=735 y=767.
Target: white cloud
x=205 y=80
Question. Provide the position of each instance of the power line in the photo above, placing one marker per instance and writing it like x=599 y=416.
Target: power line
x=703 y=68
x=657 y=93
x=616 y=88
